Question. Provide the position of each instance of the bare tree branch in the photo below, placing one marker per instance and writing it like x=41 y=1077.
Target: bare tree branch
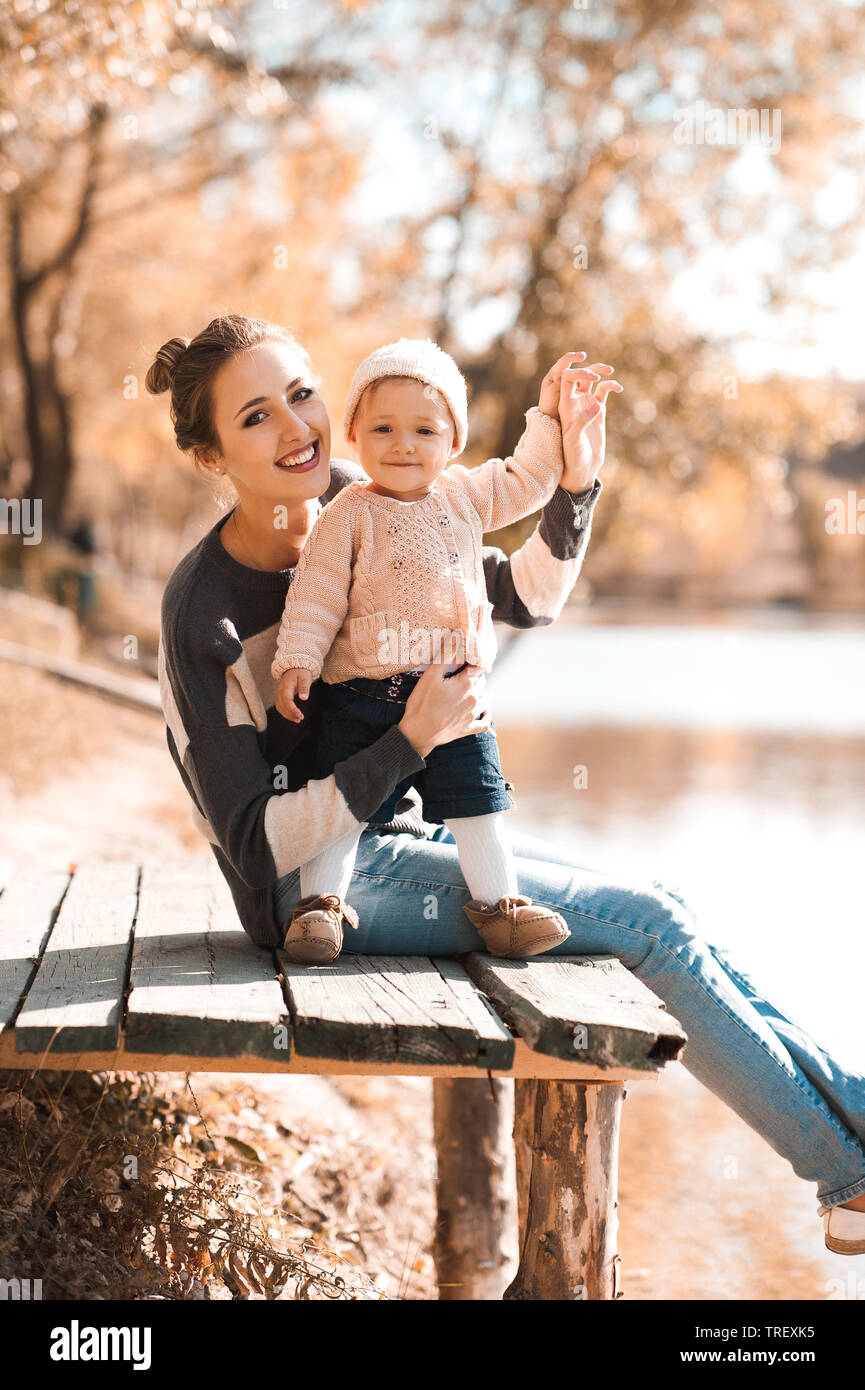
x=66 y=252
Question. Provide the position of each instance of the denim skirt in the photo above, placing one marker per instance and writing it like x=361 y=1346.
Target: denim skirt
x=461 y=778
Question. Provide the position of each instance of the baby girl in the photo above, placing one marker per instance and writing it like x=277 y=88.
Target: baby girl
x=389 y=581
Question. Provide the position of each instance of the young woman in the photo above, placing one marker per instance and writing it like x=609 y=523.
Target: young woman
x=245 y=405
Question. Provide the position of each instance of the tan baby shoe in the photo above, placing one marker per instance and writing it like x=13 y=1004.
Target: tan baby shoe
x=515 y=927
x=314 y=934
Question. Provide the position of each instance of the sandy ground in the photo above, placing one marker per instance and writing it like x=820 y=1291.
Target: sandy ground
x=707 y=1210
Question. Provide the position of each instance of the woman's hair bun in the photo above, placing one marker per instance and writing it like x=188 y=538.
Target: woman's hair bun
x=161 y=374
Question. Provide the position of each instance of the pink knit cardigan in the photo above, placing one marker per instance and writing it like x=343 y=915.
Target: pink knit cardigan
x=384 y=586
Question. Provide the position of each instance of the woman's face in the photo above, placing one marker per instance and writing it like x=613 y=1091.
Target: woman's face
x=272 y=425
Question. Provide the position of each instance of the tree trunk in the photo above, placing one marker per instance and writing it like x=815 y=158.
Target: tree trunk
x=475 y=1247
x=46 y=414
x=566 y=1142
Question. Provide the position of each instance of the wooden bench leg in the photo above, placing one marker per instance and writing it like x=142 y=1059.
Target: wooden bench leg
x=566 y=1138
x=474 y=1247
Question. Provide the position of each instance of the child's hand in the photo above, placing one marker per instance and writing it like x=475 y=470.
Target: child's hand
x=549 y=397
x=583 y=417
x=295 y=682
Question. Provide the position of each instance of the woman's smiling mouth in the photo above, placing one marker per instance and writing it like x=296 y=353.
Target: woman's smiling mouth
x=302 y=460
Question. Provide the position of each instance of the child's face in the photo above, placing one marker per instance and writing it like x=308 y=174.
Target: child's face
x=404 y=437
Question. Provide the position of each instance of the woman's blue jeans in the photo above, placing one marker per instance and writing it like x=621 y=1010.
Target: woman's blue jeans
x=409 y=894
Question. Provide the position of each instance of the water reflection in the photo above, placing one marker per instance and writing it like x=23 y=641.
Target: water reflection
x=762 y=831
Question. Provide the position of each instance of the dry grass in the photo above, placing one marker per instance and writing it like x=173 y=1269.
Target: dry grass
x=110 y=1190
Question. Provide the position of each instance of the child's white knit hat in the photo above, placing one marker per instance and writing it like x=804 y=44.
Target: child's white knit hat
x=424 y=360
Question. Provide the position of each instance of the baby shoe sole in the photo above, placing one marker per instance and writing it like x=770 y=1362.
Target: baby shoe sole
x=533 y=948
x=321 y=956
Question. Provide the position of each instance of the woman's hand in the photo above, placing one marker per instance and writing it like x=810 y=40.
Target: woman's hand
x=296 y=682
x=583 y=416
x=442 y=708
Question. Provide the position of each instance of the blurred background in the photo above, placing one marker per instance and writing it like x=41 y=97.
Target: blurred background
x=675 y=188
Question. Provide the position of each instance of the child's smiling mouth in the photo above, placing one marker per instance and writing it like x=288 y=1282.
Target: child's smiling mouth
x=301 y=460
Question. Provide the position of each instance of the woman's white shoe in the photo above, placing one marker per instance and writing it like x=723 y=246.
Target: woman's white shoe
x=844 y=1229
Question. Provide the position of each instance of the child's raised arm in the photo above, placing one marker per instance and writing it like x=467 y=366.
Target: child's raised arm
x=505 y=490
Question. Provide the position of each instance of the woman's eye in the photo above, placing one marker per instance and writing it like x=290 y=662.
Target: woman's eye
x=302 y=394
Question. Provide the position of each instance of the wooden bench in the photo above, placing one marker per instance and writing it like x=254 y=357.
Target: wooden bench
x=115 y=966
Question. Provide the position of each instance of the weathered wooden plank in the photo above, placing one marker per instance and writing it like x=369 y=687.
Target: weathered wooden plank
x=198 y=984
x=394 y=1009
x=525 y=1064
x=28 y=908
x=587 y=1007
x=74 y=1002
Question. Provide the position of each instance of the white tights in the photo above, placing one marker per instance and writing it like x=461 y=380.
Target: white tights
x=482 y=845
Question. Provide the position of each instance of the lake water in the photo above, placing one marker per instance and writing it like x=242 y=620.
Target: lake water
x=725 y=755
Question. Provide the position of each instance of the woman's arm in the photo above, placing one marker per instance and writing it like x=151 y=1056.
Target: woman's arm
x=262 y=820
x=265 y=833
x=260 y=811
x=529 y=589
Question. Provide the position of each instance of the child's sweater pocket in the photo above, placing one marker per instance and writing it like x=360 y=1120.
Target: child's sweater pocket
x=371 y=642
